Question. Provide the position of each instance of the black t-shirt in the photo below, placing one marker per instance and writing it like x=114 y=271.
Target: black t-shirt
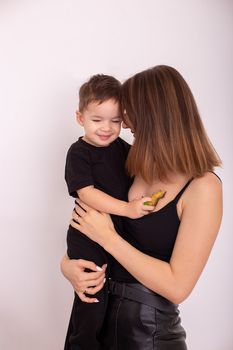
x=102 y=167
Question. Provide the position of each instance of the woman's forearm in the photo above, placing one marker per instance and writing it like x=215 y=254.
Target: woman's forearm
x=155 y=274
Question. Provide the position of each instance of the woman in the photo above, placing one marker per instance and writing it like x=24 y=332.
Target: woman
x=163 y=253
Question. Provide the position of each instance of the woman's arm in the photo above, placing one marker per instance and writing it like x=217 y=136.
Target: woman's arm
x=200 y=222
x=103 y=202
x=90 y=282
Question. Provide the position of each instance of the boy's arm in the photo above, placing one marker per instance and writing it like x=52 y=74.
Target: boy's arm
x=105 y=203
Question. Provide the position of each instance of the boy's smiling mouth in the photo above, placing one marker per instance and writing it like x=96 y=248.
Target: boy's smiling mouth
x=104 y=137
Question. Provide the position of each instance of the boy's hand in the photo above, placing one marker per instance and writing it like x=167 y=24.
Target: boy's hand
x=156 y=197
x=136 y=209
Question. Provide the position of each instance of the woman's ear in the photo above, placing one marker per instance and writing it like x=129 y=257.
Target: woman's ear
x=79 y=118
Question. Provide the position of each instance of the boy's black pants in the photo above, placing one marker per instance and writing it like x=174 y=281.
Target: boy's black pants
x=86 y=318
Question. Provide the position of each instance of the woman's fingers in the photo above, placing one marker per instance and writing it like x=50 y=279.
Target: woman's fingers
x=82 y=286
x=95 y=283
x=82 y=205
x=89 y=279
x=91 y=288
x=86 y=282
x=74 y=271
x=74 y=224
x=80 y=212
x=85 y=299
x=94 y=290
x=85 y=264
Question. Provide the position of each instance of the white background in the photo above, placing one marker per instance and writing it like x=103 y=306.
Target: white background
x=48 y=48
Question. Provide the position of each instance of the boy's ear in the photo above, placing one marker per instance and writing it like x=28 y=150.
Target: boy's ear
x=79 y=118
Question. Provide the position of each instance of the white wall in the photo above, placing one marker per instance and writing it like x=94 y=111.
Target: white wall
x=48 y=48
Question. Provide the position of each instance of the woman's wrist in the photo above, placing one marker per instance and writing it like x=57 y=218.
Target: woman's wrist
x=111 y=241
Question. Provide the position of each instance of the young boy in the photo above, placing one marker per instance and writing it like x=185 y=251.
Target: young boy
x=95 y=172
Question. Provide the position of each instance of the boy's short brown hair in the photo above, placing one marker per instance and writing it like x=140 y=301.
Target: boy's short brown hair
x=99 y=88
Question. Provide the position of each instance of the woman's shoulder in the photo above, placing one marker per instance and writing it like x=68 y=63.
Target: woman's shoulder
x=207 y=185
x=202 y=194
x=207 y=181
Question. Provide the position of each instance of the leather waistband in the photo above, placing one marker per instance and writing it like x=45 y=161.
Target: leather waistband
x=139 y=293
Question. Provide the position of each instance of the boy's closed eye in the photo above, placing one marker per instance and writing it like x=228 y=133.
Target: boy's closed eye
x=113 y=121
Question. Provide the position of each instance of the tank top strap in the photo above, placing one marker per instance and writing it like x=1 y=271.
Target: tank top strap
x=216 y=175
x=182 y=191
x=187 y=184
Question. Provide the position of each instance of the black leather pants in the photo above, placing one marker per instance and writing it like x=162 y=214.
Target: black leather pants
x=132 y=325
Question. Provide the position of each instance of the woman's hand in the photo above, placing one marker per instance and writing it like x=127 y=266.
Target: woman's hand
x=97 y=226
x=84 y=282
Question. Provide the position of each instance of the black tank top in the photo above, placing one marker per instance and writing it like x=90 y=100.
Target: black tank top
x=153 y=234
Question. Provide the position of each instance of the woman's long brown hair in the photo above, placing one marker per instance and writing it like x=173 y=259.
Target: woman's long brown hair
x=169 y=134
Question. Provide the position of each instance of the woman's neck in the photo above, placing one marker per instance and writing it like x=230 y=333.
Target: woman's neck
x=172 y=186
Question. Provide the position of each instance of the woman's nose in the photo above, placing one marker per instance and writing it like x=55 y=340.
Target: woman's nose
x=124 y=126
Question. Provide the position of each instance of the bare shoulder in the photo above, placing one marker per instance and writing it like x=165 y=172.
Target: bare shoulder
x=207 y=183
x=208 y=187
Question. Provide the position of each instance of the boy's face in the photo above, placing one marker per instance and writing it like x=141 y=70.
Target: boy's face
x=101 y=122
